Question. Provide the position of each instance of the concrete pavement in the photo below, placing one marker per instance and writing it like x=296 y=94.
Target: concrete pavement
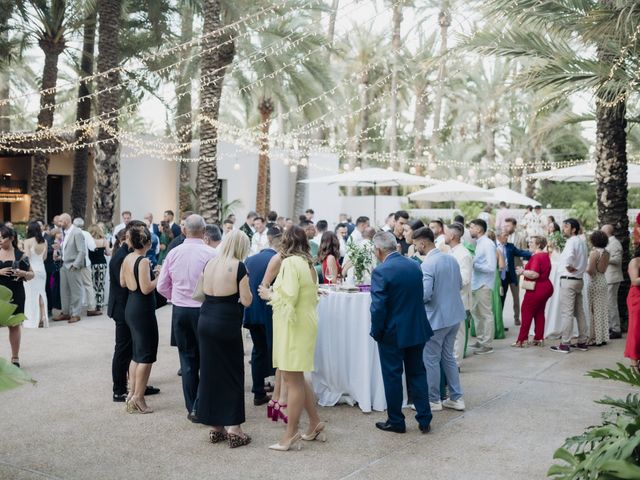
x=521 y=404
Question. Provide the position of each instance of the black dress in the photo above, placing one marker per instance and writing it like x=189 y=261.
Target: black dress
x=16 y=286
x=140 y=316
x=221 y=390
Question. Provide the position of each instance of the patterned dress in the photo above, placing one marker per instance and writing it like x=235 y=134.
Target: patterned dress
x=598 y=306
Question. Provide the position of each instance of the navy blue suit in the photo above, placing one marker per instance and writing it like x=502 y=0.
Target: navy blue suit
x=399 y=325
x=258 y=319
x=510 y=278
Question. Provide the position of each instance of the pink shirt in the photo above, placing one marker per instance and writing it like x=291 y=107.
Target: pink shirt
x=181 y=271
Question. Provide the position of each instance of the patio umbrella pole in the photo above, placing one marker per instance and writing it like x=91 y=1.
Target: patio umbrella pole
x=375 y=191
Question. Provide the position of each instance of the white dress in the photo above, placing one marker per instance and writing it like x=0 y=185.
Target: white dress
x=34 y=290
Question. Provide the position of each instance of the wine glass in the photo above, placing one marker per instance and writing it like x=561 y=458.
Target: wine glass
x=330 y=276
x=15 y=267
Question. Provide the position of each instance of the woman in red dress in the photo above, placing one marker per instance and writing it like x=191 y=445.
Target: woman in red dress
x=538 y=269
x=328 y=255
x=632 y=350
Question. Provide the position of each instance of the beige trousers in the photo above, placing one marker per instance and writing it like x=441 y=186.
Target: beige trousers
x=571 y=305
x=482 y=314
x=614 y=313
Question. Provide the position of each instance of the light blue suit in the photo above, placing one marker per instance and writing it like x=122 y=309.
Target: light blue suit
x=442 y=282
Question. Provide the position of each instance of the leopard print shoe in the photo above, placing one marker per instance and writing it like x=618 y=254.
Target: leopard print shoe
x=236 y=441
x=216 y=436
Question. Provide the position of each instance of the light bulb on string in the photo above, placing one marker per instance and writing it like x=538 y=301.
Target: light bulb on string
x=412 y=170
x=293 y=168
x=236 y=166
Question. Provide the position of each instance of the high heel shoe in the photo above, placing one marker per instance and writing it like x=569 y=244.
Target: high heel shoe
x=133 y=407
x=15 y=361
x=519 y=345
x=270 y=406
x=318 y=433
x=537 y=343
x=281 y=416
x=236 y=441
x=293 y=442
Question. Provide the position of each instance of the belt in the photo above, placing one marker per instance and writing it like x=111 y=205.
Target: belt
x=569 y=278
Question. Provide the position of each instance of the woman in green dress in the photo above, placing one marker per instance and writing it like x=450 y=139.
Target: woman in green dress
x=166 y=235
x=294 y=298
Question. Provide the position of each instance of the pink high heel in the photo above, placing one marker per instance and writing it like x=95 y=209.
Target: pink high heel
x=270 y=406
x=274 y=411
x=282 y=416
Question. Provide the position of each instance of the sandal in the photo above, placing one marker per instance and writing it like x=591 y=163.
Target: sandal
x=15 y=361
x=216 y=436
x=537 y=343
x=277 y=412
x=236 y=441
x=272 y=403
x=519 y=345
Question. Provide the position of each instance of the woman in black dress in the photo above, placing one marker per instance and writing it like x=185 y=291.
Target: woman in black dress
x=14 y=269
x=140 y=316
x=221 y=390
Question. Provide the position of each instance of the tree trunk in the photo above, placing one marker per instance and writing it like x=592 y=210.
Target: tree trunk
x=444 y=19
x=263 y=191
x=300 y=191
x=184 y=121
x=363 y=123
x=40 y=166
x=5 y=108
x=207 y=186
x=396 y=44
x=332 y=22
x=107 y=160
x=83 y=113
x=419 y=120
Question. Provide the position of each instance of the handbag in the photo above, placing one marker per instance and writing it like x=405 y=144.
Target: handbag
x=527 y=284
x=198 y=292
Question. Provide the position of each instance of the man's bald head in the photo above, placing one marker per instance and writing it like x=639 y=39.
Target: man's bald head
x=608 y=229
x=65 y=220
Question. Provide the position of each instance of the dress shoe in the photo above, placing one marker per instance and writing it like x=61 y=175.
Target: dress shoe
x=261 y=401
x=93 y=313
x=179 y=372
x=193 y=418
x=387 y=427
x=268 y=387
x=615 y=335
x=74 y=319
x=151 y=390
x=425 y=429
x=119 y=397
x=61 y=318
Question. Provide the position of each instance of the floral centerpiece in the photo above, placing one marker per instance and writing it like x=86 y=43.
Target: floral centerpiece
x=360 y=258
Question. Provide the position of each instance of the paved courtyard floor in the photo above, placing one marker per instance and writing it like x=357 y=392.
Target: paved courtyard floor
x=521 y=404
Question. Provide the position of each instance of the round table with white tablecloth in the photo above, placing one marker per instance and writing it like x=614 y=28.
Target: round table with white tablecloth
x=346 y=358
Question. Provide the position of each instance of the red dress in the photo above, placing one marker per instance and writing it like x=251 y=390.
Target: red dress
x=632 y=349
x=325 y=268
x=535 y=300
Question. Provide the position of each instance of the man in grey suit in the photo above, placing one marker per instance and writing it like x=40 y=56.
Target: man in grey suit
x=442 y=282
x=74 y=254
x=614 y=277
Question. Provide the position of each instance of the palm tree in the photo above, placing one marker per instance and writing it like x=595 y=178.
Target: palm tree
x=444 y=20
x=396 y=44
x=107 y=171
x=83 y=113
x=48 y=22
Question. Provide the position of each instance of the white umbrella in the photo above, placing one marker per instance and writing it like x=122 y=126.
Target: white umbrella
x=584 y=172
x=372 y=177
x=504 y=194
x=453 y=190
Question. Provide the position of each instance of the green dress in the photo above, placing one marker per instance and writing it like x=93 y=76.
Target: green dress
x=164 y=240
x=295 y=318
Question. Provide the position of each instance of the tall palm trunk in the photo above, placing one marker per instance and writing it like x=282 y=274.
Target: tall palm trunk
x=207 y=187
x=444 y=20
x=5 y=110
x=183 y=110
x=107 y=160
x=83 y=113
x=263 y=192
x=419 y=120
x=52 y=48
x=396 y=44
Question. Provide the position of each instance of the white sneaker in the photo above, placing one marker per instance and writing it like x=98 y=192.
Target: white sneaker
x=435 y=407
x=454 y=404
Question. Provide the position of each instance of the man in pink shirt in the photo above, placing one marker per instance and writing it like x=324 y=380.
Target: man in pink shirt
x=180 y=272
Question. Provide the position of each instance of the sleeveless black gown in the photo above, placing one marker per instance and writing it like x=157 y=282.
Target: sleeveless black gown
x=140 y=316
x=221 y=389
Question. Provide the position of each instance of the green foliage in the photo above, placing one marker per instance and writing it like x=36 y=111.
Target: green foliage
x=586 y=213
x=361 y=257
x=12 y=376
x=228 y=208
x=610 y=450
x=7 y=318
x=471 y=210
x=565 y=194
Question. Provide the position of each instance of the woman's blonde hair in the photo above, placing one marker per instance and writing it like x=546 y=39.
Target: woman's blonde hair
x=96 y=231
x=235 y=245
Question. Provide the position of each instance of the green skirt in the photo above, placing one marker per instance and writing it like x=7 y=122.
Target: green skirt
x=496 y=304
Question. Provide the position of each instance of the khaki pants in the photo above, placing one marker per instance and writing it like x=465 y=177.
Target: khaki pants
x=515 y=293
x=71 y=291
x=483 y=315
x=89 y=291
x=614 y=313
x=571 y=305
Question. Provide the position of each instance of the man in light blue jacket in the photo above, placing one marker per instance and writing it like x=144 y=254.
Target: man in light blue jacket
x=442 y=282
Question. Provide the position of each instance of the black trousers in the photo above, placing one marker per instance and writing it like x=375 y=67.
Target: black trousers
x=184 y=322
x=261 y=366
x=121 y=356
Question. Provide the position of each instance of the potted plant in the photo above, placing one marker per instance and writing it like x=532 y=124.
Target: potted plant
x=361 y=259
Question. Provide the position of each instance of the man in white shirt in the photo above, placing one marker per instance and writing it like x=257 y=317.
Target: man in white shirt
x=361 y=224
x=321 y=227
x=389 y=223
x=573 y=264
x=437 y=227
x=454 y=234
x=483 y=278
x=126 y=218
x=614 y=277
x=259 y=240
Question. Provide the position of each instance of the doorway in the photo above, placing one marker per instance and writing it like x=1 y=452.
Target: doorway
x=54 y=196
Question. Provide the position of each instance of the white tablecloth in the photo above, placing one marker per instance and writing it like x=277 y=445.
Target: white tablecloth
x=346 y=357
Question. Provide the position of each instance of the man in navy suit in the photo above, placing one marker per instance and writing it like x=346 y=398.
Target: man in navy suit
x=509 y=277
x=258 y=318
x=442 y=283
x=399 y=325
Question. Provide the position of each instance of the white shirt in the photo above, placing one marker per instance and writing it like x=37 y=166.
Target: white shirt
x=90 y=244
x=317 y=238
x=259 y=242
x=343 y=246
x=65 y=237
x=465 y=261
x=574 y=255
x=118 y=228
x=356 y=236
x=441 y=242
